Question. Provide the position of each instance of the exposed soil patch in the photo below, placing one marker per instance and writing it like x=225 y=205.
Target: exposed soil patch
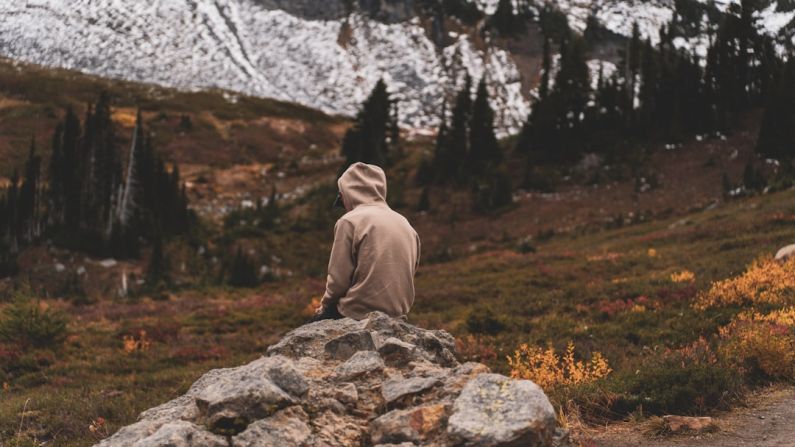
x=765 y=422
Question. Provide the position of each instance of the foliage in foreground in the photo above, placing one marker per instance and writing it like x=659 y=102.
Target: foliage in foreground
x=756 y=346
x=31 y=324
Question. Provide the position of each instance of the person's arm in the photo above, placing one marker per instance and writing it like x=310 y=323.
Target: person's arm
x=419 y=251
x=341 y=264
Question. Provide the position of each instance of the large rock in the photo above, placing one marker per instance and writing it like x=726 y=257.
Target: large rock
x=379 y=381
x=494 y=410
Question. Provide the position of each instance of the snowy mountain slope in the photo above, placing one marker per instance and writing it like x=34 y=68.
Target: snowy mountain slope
x=619 y=15
x=250 y=47
x=325 y=54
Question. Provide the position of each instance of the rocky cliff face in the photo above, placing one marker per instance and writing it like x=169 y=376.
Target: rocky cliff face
x=379 y=381
x=324 y=54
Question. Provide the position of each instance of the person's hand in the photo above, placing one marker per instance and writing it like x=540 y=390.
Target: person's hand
x=319 y=309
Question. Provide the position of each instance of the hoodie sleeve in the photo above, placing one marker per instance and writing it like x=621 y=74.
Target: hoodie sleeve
x=419 y=252
x=341 y=264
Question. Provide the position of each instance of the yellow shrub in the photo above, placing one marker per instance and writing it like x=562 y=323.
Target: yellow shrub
x=765 y=281
x=549 y=369
x=761 y=344
x=141 y=344
x=683 y=276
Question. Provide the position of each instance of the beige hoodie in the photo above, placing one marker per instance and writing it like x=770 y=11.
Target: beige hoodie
x=376 y=251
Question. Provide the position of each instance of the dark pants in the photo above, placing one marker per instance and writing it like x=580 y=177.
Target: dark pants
x=328 y=313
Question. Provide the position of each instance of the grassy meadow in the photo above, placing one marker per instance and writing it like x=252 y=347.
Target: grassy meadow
x=627 y=293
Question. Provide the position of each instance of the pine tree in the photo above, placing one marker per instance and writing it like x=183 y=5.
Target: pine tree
x=504 y=19
x=459 y=148
x=71 y=170
x=546 y=67
x=777 y=133
x=28 y=211
x=368 y=140
x=158 y=270
x=484 y=150
x=440 y=169
x=633 y=65
x=424 y=204
x=243 y=272
x=648 y=87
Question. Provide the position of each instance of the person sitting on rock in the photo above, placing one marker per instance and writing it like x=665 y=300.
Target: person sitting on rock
x=375 y=254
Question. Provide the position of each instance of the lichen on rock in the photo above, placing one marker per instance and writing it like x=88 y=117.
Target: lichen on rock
x=379 y=381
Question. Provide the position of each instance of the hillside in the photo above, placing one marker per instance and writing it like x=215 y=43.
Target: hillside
x=327 y=55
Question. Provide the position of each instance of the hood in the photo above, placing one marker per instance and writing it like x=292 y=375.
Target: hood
x=362 y=184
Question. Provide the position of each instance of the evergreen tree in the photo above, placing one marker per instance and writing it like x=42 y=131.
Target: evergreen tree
x=546 y=67
x=458 y=148
x=243 y=272
x=505 y=20
x=633 y=59
x=28 y=219
x=648 y=87
x=424 y=203
x=484 y=150
x=440 y=170
x=369 y=139
x=777 y=133
x=158 y=270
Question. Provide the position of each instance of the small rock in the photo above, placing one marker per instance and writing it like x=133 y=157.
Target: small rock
x=412 y=425
x=394 y=389
x=181 y=434
x=678 y=424
x=334 y=430
x=285 y=375
x=344 y=346
x=462 y=374
x=309 y=340
x=360 y=363
x=285 y=429
x=785 y=253
x=60 y=267
x=229 y=406
x=494 y=410
x=396 y=352
x=346 y=393
x=108 y=263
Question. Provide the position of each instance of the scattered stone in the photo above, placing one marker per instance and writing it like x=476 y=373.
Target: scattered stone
x=396 y=352
x=785 y=253
x=108 y=263
x=395 y=389
x=346 y=393
x=494 y=410
x=182 y=434
x=412 y=425
x=309 y=340
x=360 y=363
x=285 y=429
x=687 y=424
x=285 y=375
x=229 y=406
x=344 y=346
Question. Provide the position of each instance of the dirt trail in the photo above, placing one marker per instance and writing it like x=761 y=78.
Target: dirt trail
x=767 y=421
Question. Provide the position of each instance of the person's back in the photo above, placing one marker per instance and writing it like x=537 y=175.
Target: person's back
x=376 y=251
